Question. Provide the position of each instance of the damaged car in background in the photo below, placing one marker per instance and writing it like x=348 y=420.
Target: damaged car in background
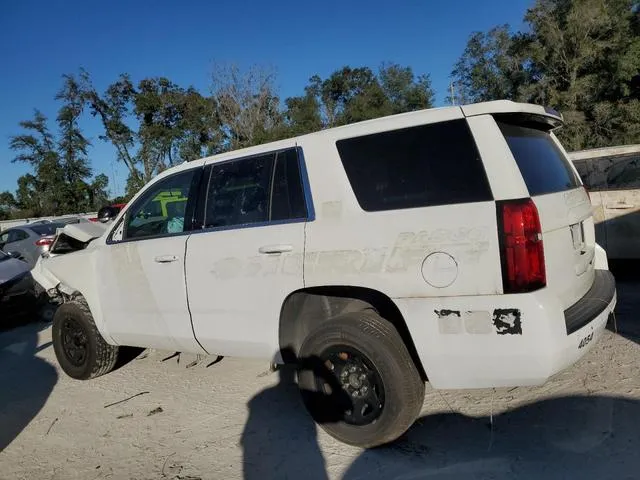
x=453 y=246
x=17 y=289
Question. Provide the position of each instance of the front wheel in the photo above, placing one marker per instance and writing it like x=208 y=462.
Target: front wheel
x=80 y=349
x=364 y=388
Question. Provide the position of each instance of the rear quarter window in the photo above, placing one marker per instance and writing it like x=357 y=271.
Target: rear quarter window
x=422 y=166
x=542 y=164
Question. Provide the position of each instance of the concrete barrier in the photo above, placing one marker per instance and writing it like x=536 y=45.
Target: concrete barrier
x=5 y=224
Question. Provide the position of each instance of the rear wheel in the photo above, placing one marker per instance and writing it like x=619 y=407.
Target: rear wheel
x=358 y=380
x=80 y=349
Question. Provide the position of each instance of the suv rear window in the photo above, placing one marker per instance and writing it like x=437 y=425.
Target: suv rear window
x=427 y=165
x=542 y=164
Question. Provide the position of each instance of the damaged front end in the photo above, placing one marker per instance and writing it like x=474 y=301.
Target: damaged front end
x=68 y=240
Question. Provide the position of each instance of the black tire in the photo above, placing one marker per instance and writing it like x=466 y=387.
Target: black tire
x=80 y=349
x=383 y=352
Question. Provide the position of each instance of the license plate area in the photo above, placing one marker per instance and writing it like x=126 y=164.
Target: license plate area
x=577 y=236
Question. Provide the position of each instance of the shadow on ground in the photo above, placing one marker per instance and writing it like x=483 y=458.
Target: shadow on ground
x=568 y=437
x=280 y=439
x=627 y=318
x=26 y=381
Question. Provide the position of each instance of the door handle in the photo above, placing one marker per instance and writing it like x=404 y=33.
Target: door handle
x=620 y=206
x=267 y=249
x=165 y=258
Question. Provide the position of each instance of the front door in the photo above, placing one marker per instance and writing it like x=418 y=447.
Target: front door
x=143 y=291
x=248 y=257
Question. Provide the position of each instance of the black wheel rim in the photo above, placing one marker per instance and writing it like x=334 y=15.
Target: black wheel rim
x=359 y=379
x=74 y=342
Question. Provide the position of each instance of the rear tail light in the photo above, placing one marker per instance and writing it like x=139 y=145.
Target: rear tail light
x=522 y=250
x=45 y=241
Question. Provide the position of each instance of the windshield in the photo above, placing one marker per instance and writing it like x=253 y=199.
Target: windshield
x=46 y=229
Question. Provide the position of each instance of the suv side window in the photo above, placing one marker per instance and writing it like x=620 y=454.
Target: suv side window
x=161 y=210
x=259 y=189
x=287 y=194
x=427 y=165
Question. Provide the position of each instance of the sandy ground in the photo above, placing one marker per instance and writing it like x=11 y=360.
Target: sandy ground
x=234 y=419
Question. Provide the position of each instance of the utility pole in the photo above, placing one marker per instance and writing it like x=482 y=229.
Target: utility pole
x=453 y=98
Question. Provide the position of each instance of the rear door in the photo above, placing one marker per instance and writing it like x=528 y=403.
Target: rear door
x=247 y=258
x=562 y=202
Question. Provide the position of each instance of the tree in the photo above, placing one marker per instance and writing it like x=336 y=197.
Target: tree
x=354 y=94
x=154 y=124
x=39 y=194
x=7 y=204
x=72 y=148
x=61 y=179
x=581 y=57
x=493 y=66
x=248 y=108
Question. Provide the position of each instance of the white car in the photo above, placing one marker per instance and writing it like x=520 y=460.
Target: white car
x=452 y=245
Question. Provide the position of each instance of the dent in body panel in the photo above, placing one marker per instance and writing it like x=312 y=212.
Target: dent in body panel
x=75 y=273
x=507 y=321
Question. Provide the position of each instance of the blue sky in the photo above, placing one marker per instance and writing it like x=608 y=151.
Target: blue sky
x=41 y=40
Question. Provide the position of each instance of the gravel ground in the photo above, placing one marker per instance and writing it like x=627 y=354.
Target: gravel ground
x=235 y=419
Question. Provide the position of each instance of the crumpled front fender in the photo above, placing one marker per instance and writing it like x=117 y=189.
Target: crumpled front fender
x=73 y=274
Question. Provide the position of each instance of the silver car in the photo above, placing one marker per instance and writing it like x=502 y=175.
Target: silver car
x=29 y=241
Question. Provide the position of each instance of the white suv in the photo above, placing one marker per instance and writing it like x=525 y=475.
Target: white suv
x=451 y=245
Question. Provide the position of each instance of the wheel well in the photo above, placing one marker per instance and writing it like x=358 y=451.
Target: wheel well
x=304 y=310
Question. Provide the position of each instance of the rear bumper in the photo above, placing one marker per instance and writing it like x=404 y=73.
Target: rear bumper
x=596 y=301
x=472 y=346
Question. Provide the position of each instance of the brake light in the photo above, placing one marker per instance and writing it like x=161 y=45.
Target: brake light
x=43 y=242
x=522 y=249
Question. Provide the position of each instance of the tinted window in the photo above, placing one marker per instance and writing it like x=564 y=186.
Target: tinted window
x=161 y=209
x=45 y=229
x=287 y=201
x=238 y=192
x=255 y=190
x=421 y=166
x=542 y=164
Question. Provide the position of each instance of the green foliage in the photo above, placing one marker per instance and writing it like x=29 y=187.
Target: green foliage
x=172 y=124
x=355 y=94
x=59 y=184
x=580 y=56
